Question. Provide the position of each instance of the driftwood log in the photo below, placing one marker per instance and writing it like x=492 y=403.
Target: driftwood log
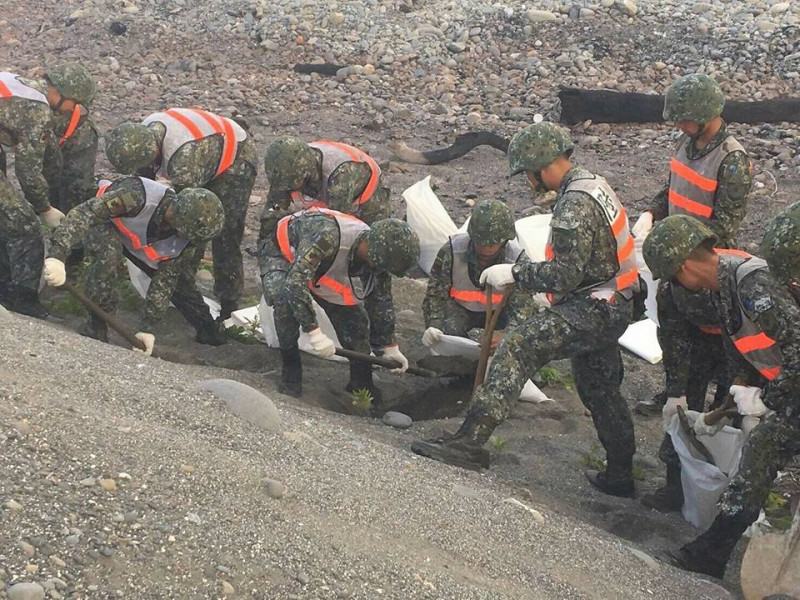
x=463 y=144
x=605 y=106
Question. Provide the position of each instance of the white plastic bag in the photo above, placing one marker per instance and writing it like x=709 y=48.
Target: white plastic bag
x=703 y=482
x=429 y=219
x=532 y=233
x=267 y=317
x=641 y=338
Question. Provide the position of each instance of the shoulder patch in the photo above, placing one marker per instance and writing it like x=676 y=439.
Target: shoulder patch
x=121 y=204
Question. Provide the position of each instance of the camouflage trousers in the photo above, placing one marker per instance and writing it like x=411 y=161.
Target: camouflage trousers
x=105 y=269
x=770 y=447
x=75 y=182
x=21 y=240
x=351 y=323
x=586 y=331
x=233 y=189
x=459 y=321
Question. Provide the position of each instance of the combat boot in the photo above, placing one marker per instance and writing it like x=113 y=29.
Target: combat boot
x=670 y=497
x=689 y=561
x=226 y=308
x=616 y=480
x=291 y=382
x=465 y=448
x=26 y=301
x=361 y=379
x=96 y=328
x=653 y=406
x=211 y=333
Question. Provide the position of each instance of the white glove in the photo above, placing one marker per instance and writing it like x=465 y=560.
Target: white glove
x=431 y=336
x=671 y=409
x=51 y=217
x=643 y=225
x=498 y=276
x=700 y=427
x=149 y=341
x=393 y=353
x=748 y=400
x=321 y=344
x=55 y=273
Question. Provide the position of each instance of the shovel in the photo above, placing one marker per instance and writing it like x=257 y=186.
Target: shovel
x=383 y=362
x=492 y=316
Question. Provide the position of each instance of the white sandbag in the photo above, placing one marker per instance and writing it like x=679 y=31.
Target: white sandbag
x=429 y=219
x=267 y=317
x=249 y=318
x=141 y=282
x=532 y=233
x=453 y=345
x=703 y=482
x=641 y=338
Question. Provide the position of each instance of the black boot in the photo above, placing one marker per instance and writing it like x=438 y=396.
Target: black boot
x=670 y=497
x=465 y=448
x=653 y=406
x=26 y=301
x=212 y=333
x=226 y=307
x=361 y=379
x=96 y=328
x=291 y=373
x=616 y=480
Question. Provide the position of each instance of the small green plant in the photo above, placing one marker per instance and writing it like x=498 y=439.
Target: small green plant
x=241 y=334
x=204 y=266
x=777 y=510
x=594 y=459
x=66 y=304
x=250 y=301
x=551 y=376
x=361 y=401
x=498 y=442
x=638 y=473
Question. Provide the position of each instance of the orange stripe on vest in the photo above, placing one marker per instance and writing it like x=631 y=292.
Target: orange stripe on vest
x=474 y=296
x=224 y=128
x=701 y=210
x=73 y=124
x=770 y=373
x=693 y=177
x=4 y=91
x=360 y=156
x=753 y=342
x=709 y=329
x=732 y=252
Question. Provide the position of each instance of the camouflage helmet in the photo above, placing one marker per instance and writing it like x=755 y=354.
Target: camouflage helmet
x=72 y=81
x=536 y=146
x=694 y=97
x=288 y=162
x=491 y=223
x=131 y=146
x=781 y=244
x=671 y=242
x=197 y=215
x=393 y=246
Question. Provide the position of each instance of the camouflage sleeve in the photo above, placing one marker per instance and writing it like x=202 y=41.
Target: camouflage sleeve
x=319 y=242
x=345 y=184
x=163 y=284
x=195 y=163
x=674 y=335
x=576 y=219
x=29 y=160
x=124 y=198
x=438 y=291
x=380 y=308
x=659 y=205
x=777 y=314
x=730 y=204
x=521 y=306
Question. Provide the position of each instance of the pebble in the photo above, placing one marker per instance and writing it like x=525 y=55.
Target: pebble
x=275 y=489
x=397 y=419
x=204 y=275
x=245 y=402
x=88 y=482
x=108 y=484
x=13 y=505
x=27 y=549
x=227 y=589
x=25 y=591
x=539 y=16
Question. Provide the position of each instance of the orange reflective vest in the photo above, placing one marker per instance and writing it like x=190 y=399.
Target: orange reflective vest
x=335 y=285
x=74 y=121
x=133 y=230
x=750 y=340
x=189 y=124
x=626 y=279
x=462 y=290
x=693 y=183
x=335 y=154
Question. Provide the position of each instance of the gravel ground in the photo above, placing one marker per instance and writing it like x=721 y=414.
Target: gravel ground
x=118 y=480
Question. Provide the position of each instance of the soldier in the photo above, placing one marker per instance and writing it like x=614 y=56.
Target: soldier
x=781 y=248
x=161 y=232
x=710 y=178
x=454 y=301
x=761 y=324
x=77 y=137
x=590 y=277
x=322 y=173
x=346 y=267
x=195 y=148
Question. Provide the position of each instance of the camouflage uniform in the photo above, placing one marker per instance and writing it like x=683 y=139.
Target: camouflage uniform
x=315 y=239
x=579 y=327
x=173 y=281
x=444 y=313
x=347 y=182
x=76 y=181
x=195 y=165
x=21 y=243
